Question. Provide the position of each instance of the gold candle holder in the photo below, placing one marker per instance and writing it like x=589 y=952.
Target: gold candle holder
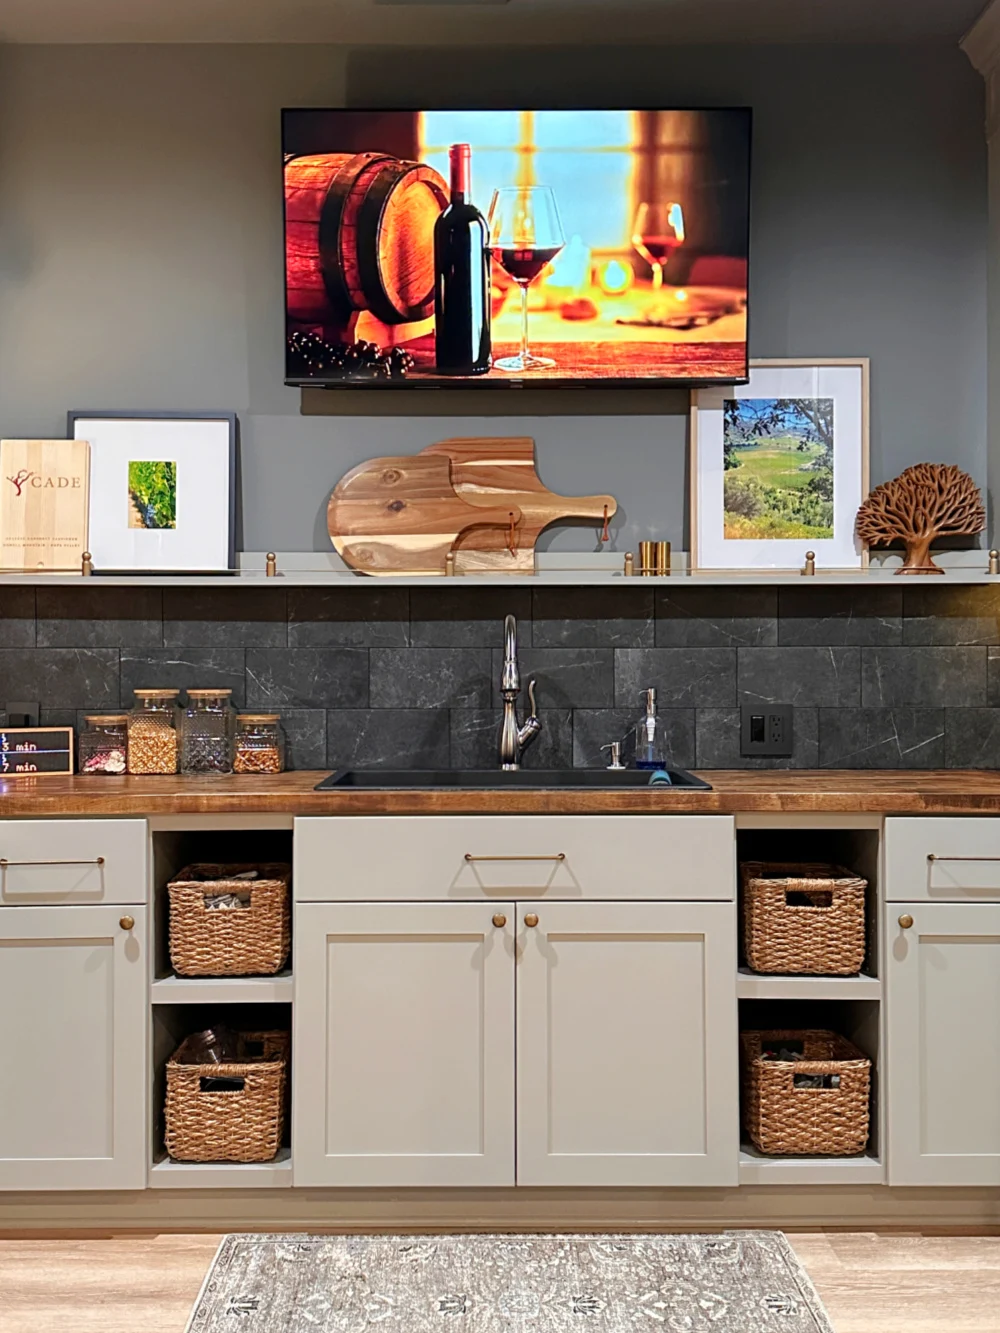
x=647 y=558
x=663 y=558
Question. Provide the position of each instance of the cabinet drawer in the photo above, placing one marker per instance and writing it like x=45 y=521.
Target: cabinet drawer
x=415 y=858
x=72 y=861
x=942 y=860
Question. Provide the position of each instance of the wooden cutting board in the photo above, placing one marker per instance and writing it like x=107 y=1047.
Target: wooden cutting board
x=502 y=473
x=402 y=515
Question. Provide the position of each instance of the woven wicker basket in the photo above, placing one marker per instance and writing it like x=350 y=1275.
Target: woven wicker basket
x=243 y=1125
x=785 y=1120
x=822 y=933
x=230 y=942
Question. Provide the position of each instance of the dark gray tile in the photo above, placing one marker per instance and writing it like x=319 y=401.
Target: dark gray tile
x=94 y=617
x=475 y=736
x=716 y=617
x=387 y=738
x=993 y=677
x=596 y=727
x=348 y=617
x=430 y=677
x=818 y=677
x=467 y=617
x=224 y=618
x=307 y=677
x=305 y=737
x=718 y=740
x=683 y=677
x=839 y=617
x=882 y=737
x=66 y=717
x=60 y=677
x=957 y=615
x=567 y=677
x=972 y=737
x=618 y=617
x=182 y=669
x=927 y=677
x=17 y=617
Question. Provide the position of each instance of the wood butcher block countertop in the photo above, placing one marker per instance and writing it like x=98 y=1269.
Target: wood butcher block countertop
x=821 y=792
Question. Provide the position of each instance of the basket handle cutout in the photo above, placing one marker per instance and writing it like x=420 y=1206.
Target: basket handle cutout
x=820 y=898
x=219 y=1083
x=816 y=1082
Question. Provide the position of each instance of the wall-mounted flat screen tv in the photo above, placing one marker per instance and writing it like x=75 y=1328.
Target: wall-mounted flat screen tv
x=485 y=248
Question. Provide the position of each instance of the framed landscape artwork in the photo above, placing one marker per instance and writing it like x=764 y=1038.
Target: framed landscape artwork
x=779 y=466
x=162 y=490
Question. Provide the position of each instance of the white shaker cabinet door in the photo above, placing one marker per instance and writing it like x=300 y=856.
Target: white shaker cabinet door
x=627 y=1047
x=403 y=1052
x=943 y=1000
x=74 y=995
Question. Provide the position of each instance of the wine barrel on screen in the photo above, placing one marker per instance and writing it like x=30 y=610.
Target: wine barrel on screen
x=359 y=235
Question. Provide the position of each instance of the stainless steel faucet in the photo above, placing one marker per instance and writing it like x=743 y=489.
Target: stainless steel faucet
x=514 y=739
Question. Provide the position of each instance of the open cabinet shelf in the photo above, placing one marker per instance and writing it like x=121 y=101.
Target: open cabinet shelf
x=223 y=990
x=167 y=1174
x=756 y=1169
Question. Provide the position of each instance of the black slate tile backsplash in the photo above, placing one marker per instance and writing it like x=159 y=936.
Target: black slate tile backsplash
x=894 y=677
x=716 y=617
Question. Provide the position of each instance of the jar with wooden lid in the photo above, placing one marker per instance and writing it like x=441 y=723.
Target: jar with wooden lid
x=104 y=743
x=207 y=729
x=260 y=744
x=152 y=732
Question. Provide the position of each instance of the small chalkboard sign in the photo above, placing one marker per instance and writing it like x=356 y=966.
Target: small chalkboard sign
x=36 y=752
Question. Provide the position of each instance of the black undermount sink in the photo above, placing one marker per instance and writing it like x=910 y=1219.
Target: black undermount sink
x=409 y=779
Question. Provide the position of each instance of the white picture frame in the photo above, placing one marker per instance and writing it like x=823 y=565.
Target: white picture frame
x=842 y=384
x=194 y=530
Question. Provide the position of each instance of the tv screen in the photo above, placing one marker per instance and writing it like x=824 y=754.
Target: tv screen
x=516 y=247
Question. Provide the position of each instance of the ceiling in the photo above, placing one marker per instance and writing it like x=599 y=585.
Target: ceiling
x=517 y=22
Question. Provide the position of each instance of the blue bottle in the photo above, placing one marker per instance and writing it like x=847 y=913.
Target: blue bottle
x=650 y=741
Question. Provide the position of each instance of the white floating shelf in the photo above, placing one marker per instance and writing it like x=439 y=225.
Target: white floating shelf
x=754 y=986
x=756 y=1169
x=319 y=569
x=223 y=990
x=169 y=1175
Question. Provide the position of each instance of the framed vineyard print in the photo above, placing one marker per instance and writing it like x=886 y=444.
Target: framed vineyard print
x=779 y=466
x=162 y=490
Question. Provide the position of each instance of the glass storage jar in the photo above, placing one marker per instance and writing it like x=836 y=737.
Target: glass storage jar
x=207 y=727
x=104 y=743
x=152 y=732
x=260 y=744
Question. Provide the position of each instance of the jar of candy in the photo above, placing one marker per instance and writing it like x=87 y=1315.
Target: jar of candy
x=207 y=727
x=152 y=732
x=104 y=743
x=260 y=743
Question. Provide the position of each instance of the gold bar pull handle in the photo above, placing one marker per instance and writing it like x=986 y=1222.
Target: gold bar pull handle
x=510 y=856
x=4 y=863
x=932 y=857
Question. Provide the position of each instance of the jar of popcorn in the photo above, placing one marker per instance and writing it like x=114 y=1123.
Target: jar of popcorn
x=152 y=732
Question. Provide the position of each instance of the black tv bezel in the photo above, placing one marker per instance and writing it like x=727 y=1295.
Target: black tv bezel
x=473 y=382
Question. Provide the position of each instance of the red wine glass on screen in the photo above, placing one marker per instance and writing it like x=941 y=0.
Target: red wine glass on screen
x=525 y=234
x=657 y=232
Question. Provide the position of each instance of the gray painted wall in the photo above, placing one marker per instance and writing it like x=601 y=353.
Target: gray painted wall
x=140 y=253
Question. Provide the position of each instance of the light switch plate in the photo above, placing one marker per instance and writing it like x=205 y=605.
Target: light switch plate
x=767 y=731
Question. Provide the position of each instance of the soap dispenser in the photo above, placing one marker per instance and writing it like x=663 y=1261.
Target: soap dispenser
x=650 y=741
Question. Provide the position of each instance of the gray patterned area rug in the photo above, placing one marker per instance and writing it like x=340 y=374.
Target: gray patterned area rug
x=736 y=1282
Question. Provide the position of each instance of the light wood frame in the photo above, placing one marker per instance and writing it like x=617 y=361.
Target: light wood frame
x=778 y=363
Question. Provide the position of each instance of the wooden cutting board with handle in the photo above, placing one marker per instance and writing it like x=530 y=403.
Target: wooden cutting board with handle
x=402 y=515
x=502 y=474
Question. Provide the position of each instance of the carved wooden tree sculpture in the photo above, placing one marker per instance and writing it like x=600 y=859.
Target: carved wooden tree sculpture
x=927 y=501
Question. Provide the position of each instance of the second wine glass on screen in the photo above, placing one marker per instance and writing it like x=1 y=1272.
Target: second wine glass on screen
x=657 y=232
x=526 y=233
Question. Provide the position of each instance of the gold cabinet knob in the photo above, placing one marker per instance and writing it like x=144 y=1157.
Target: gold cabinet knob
x=906 y=921
x=499 y=920
x=531 y=919
x=127 y=922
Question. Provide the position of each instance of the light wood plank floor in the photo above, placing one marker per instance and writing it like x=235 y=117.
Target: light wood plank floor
x=147 y=1283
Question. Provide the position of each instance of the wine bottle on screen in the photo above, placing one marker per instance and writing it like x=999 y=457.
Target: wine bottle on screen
x=461 y=277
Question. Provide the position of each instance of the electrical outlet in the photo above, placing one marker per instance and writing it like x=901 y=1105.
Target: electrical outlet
x=22 y=715
x=766 y=730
